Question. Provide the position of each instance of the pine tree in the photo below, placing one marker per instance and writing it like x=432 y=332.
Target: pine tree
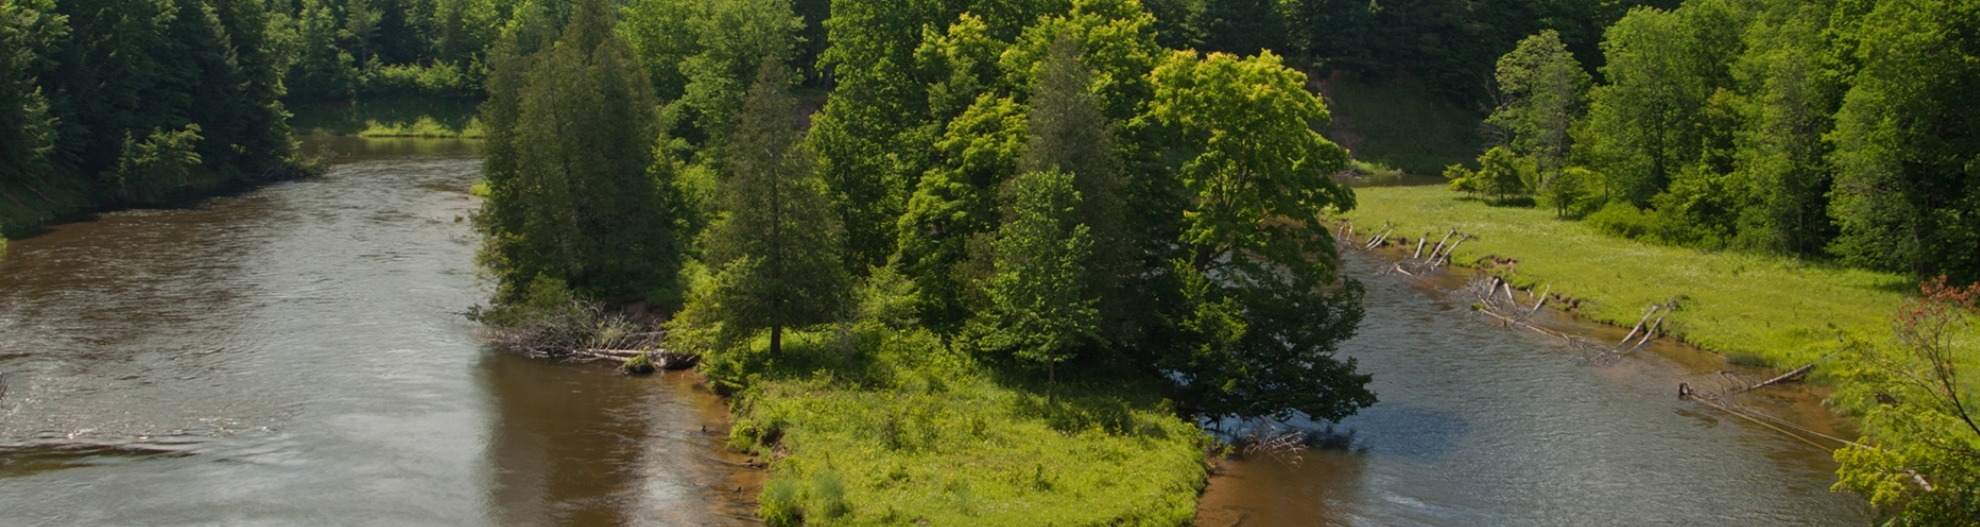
x=1069 y=134
x=570 y=145
x=779 y=250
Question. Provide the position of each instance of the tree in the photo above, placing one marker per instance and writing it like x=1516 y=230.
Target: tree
x=1037 y=307
x=571 y=143
x=1265 y=308
x=1780 y=153
x=1069 y=134
x=1637 y=134
x=1543 y=88
x=733 y=37
x=1502 y=173
x=30 y=29
x=1907 y=142
x=1924 y=404
x=778 y=249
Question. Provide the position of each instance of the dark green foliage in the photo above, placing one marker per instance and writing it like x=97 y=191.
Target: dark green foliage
x=776 y=253
x=133 y=103
x=1069 y=134
x=572 y=130
x=1907 y=141
x=29 y=30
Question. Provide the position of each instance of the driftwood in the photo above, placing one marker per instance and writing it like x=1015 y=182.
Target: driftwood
x=1419 y=245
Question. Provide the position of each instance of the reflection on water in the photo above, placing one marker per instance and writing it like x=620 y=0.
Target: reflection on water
x=1482 y=425
x=294 y=355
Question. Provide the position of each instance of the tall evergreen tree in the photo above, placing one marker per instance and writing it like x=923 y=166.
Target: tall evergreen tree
x=778 y=251
x=29 y=30
x=1069 y=134
x=571 y=142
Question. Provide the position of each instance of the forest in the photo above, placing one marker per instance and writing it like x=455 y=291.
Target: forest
x=1112 y=212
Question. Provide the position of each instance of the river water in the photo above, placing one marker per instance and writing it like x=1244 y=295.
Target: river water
x=293 y=356
x=1485 y=425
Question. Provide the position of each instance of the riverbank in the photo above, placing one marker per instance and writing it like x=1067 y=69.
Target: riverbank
x=1754 y=310
x=906 y=431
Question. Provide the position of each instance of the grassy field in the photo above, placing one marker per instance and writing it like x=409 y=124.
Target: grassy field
x=424 y=127
x=1753 y=309
x=903 y=431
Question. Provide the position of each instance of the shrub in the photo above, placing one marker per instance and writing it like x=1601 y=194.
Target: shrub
x=1620 y=219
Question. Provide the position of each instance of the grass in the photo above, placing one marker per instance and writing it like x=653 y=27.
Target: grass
x=1756 y=310
x=424 y=127
x=904 y=431
x=1401 y=124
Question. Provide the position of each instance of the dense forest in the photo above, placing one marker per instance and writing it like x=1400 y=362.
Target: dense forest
x=134 y=103
x=1813 y=129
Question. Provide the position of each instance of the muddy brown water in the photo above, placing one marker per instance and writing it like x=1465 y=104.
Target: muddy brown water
x=1484 y=425
x=293 y=356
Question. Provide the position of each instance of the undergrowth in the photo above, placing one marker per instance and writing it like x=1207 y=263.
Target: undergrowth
x=872 y=423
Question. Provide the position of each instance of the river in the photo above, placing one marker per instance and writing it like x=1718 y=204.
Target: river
x=1485 y=425
x=293 y=356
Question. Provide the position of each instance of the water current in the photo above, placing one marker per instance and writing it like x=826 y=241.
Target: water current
x=293 y=355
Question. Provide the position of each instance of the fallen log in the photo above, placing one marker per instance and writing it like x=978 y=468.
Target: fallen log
x=1419 y=245
x=1440 y=243
x=1639 y=325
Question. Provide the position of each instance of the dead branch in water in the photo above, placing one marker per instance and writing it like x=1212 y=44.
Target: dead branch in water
x=587 y=333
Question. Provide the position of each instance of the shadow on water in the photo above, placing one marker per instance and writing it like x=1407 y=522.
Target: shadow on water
x=583 y=445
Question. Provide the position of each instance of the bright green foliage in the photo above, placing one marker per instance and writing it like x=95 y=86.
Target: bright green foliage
x=1638 y=135
x=877 y=100
x=664 y=34
x=1542 y=86
x=777 y=251
x=156 y=167
x=1501 y=174
x=1261 y=175
x=1038 y=309
x=1907 y=141
x=876 y=437
x=1779 y=149
x=1260 y=181
x=571 y=137
x=955 y=203
x=1921 y=403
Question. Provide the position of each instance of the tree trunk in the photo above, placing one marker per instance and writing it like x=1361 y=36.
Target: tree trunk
x=776 y=339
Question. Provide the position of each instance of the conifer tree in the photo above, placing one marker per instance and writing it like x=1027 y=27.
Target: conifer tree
x=1069 y=134
x=779 y=249
x=571 y=143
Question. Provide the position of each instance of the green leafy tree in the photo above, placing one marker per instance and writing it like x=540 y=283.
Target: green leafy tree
x=1542 y=86
x=570 y=196
x=1038 y=310
x=664 y=34
x=1780 y=153
x=955 y=203
x=734 y=36
x=1503 y=174
x=1638 y=131
x=777 y=251
x=1265 y=308
x=1923 y=408
x=1907 y=142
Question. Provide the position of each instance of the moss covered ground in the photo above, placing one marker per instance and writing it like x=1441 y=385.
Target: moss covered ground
x=1754 y=309
x=883 y=426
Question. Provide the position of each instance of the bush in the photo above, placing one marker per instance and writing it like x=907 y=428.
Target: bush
x=1620 y=219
